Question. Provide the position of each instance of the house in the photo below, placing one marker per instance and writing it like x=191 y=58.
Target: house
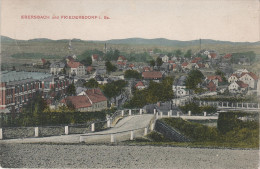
x=233 y=78
x=147 y=69
x=90 y=100
x=171 y=62
x=165 y=58
x=249 y=78
x=57 y=68
x=258 y=88
x=227 y=56
x=140 y=85
x=212 y=86
x=121 y=59
x=179 y=87
x=70 y=58
x=201 y=65
x=237 y=87
x=94 y=57
x=184 y=65
x=154 y=75
x=75 y=69
x=89 y=69
x=174 y=67
x=215 y=79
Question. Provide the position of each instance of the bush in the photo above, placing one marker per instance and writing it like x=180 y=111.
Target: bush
x=156 y=136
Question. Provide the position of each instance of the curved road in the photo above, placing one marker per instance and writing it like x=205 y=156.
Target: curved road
x=127 y=123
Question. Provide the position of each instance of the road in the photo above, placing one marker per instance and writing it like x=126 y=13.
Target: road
x=126 y=124
x=122 y=130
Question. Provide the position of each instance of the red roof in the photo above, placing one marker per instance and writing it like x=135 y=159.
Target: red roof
x=174 y=66
x=242 y=84
x=184 y=64
x=147 y=68
x=227 y=56
x=44 y=61
x=139 y=84
x=152 y=75
x=121 y=63
x=74 y=64
x=89 y=68
x=171 y=61
x=211 y=86
x=70 y=58
x=95 y=95
x=121 y=58
x=197 y=58
x=250 y=74
x=131 y=65
x=78 y=101
x=214 y=78
x=194 y=61
x=201 y=65
x=213 y=55
x=95 y=56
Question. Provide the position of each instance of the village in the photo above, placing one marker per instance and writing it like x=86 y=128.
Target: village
x=93 y=84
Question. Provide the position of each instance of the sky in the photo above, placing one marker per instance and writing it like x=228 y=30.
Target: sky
x=228 y=20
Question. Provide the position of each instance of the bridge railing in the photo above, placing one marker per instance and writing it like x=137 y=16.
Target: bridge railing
x=223 y=104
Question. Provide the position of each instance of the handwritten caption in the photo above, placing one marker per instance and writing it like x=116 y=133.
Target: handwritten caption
x=64 y=17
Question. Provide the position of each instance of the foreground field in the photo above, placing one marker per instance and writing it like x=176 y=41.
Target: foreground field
x=102 y=156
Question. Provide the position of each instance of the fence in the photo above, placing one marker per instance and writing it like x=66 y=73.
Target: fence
x=43 y=131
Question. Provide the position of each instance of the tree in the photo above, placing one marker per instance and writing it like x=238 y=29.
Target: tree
x=194 y=78
x=71 y=90
x=110 y=67
x=132 y=74
x=116 y=54
x=159 y=61
x=87 y=61
x=188 y=54
x=152 y=63
x=178 y=53
x=115 y=88
x=222 y=75
x=92 y=83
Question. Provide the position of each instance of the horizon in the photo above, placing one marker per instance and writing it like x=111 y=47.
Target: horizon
x=233 y=21
x=132 y=38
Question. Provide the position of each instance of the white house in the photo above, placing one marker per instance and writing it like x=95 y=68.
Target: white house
x=250 y=79
x=233 y=78
x=165 y=58
x=75 y=69
x=179 y=87
x=237 y=87
x=57 y=68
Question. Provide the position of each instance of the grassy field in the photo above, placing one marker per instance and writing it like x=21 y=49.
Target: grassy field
x=59 y=49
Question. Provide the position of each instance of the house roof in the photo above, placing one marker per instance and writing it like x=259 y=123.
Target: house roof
x=131 y=65
x=242 y=84
x=194 y=61
x=57 y=65
x=70 y=58
x=95 y=95
x=121 y=63
x=89 y=68
x=184 y=64
x=74 y=64
x=139 y=84
x=152 y=75
x=250 y=74
x=171 y=61
x=43 y=61
x=78 y=101
x=213 y=55
x=217 y=77
x=227 y=56
x=147 y=68
x=121 y=57
x=174 y=66
x=211 y=85
x=201 y=65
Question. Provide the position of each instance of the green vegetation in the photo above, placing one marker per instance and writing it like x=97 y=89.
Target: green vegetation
x=138 y=57
x=110 y=67
x=188 y=54
x=71 y=90
x=34 y=56
x=194 y=78
x=196 y=109
x=249 y=56
x=222 y=75
x=159 y=61
x=92 y=83
x=112 y=55
x=114 y=88
x=155 y=92
x=132 y=74
x=242 y=134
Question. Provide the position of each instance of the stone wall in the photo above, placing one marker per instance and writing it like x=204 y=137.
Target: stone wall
x=169 y=132
x=18 y=132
